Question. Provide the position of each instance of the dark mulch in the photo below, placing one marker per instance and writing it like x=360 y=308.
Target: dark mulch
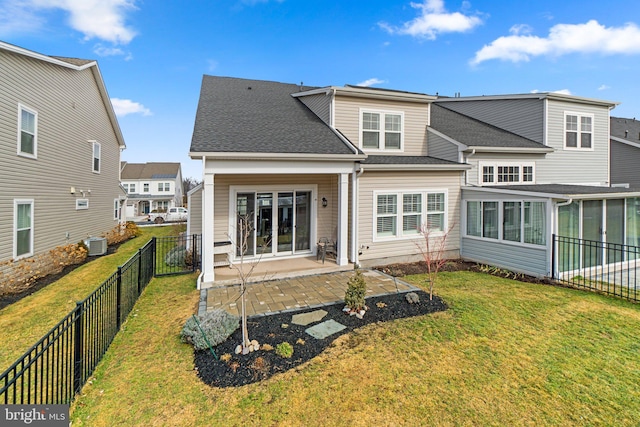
x=246 y=369
x=8 y=299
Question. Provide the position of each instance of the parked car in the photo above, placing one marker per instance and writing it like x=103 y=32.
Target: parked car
x=172 y=215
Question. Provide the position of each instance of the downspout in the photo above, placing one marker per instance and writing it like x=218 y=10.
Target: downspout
x=354 y=214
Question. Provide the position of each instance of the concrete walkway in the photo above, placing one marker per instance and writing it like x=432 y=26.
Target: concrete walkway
x=295 y=293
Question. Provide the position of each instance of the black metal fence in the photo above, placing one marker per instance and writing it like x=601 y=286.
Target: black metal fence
x=54 y=370
x=610 y=268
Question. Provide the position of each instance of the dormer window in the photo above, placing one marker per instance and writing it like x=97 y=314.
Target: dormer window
x=578 y=131
x=381 y=130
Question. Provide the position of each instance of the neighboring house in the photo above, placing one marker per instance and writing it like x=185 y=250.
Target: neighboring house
x=60 y=149
x=625 y=152
x=151 y=187
x=540 y=166
x=302 y=163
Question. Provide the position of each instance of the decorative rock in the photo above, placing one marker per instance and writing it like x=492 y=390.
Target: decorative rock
x=254 y=343
x=238 y=349
x=412 y=298
x=284 y=326
x=245 y=350
x=360 y=315
x=346 y=309
x=308 y=318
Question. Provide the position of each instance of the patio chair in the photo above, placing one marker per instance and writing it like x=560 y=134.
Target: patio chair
x=326 y=247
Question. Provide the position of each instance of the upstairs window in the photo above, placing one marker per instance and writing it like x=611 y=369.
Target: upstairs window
x=27 y=135
x=132 y=188
x=96 y=157
x=578 y=131
x=145 y=187
x=506 y=173
x=382 y=130
x=164 y=186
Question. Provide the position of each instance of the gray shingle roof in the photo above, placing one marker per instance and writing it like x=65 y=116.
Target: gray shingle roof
x=253 y=116
x=628 y=129
x=475 y=133
x=73 y=61
x=152 y=170
x=566 y=190
x=406 y=160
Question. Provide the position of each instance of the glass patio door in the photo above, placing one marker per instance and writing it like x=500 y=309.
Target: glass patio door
x=592 y=230
x=274 y=223
x=615 y=230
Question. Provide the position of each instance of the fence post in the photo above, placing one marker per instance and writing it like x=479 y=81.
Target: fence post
x=118 y=297
x=194 y=253
x=153 y=256
x=139 y=271
x=553 y=256
x=78 y=348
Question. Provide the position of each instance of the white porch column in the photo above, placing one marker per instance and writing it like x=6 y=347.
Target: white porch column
x=354 y=218
x=343 y=218
x=207 y=229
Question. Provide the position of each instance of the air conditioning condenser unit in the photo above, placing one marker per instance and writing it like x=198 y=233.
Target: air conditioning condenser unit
x=96 y=245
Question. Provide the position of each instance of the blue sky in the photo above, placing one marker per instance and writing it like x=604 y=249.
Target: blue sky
x=153 y=54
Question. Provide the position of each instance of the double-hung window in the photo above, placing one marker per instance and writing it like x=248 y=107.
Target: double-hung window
x=164 y=186
x=382 y=130
x=96 y=157
x=23 y=228
x=145 y=187
x=27 y=132
x=407 y=213
x=578 y=131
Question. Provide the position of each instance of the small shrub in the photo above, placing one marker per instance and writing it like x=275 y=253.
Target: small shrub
x=217 y=325
x=121 y=233
x=354 y=298
x=266 y=347
x=284 y=349
x=176 y=257
x=225 y=357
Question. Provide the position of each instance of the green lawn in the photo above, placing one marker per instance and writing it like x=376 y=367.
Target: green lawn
x=23 y=323
x=505 y=353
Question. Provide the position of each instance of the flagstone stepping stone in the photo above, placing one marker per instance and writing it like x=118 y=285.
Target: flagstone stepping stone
x=306 y=318
x=324 y=329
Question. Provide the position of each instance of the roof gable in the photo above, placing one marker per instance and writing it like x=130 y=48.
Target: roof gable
x=254 y=116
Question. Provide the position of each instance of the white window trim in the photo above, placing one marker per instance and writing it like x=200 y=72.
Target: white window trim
x=117 y=209
x=500 y=239
x=17 y=202
x=381 y=149
x=93 y=157
x=146 y=189
x=82 y=204
x=400 y=213
x=564 y=131
x=495 y=165
x=35 y=134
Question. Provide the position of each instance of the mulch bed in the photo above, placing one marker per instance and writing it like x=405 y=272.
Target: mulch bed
x=259 y=365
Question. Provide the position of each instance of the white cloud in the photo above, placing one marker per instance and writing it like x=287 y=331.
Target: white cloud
x=563 y=39
x=561 y=91
x=371 y=82
x=123 y=107
x=604 y=87
x=433 y=20
x=101 y=19
x=212 y=64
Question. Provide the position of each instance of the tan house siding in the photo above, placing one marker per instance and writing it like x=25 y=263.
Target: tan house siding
x=403 y=249
x=576 y=166
x=327 y=218
x=195 y=212
x=70 y=113
x=416 y=119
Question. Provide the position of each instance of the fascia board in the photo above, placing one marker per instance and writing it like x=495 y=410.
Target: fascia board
x=404 y=167
x=278 y=156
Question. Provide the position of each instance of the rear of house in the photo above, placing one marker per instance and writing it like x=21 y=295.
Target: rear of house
x=60 y=149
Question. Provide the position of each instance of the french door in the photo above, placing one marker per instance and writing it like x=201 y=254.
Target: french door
x=273 y=223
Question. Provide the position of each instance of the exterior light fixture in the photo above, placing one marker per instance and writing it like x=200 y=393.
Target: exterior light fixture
x=324 y=202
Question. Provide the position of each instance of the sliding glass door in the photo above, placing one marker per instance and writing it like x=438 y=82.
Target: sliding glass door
x=277 y=222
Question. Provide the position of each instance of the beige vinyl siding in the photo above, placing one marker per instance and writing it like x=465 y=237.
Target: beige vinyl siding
x=403 y=249
x=576 y=166
x=473 y=174
x=320 y=104
x=195 y=212
x=327 y=218
x=70 y=114
x=416 y=119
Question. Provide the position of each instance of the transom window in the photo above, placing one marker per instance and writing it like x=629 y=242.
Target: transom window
x=27 y=132
x=23 y=220
x=506 y=173
x=382 y=130
x=578 y=131
x=514 y=221
x=406 y=213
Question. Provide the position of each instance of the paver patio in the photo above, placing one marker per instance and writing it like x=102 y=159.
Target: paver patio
x=295 y=293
